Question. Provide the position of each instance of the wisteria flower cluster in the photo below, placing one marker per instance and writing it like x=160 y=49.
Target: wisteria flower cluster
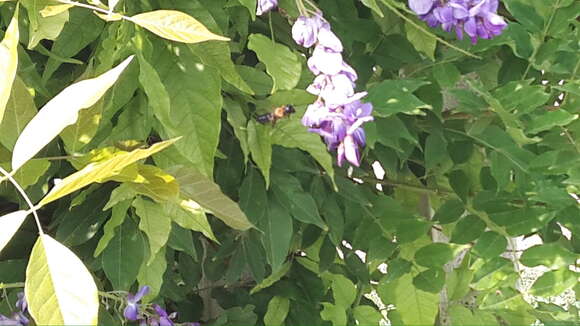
x=478 y=18
x=18 y=318
x=134 y=311
x=338 y=114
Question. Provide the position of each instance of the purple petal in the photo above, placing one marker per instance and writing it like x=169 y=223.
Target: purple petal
x=164 y=321
x=325 y=61
x=305 y=30
x=160 y=311
x=265 y=5
x=131 y=311
x=328 y=39
x=351 y=151
x=421 y=7
x=340 y=154
x=143 y=291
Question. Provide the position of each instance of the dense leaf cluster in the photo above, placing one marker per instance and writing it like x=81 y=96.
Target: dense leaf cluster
x=151 y=169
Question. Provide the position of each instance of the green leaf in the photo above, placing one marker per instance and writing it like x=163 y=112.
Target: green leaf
x=61 y=111
x=9 y=224
x=435 y=151
x=367 y=315
x=551 y=255
x=333 y=313
x=259 y=81
x=553 y=283
x=468 y=229
x=151 y=274
x=43 y=27
x=460 y=183
x=154 y=223
x=423 y=42
x=273 y=278
x=490 y=244
x=431 y=280
x=20 y=109
x=343 y=291
x=117 y=217
x=30 y=172
x=55 y=277
x=416 y=307
x=101 y=171
x=123 y=257
x=461 y=316
x=449 y=212
x=260 y=143
x=374 y=6
x=278 y=308
x=293 y=134
x=299 y=203
x=218 y=55
x=549 y=120
x=277 y=235
x=124 y=192
x=195 y=112
x=459 y=280
x=8 y=61
x=176 y=26
x=434 y=255
x=446 y=74
x=189 y=215
x=208 y=195
x=181 y=239
x=390 y=97
x=281 y=63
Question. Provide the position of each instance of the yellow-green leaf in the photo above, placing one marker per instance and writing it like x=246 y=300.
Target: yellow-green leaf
x=158 y=184
x=176 y=26
x=101 y=171
x=189 y=215
x=59 y=288
x=207 y=194
x=62 y=111
x=20 y=109
x=53 y=10
x=8 y=62
x=9 y=224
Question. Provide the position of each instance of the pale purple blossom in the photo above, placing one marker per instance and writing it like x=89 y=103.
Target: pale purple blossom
x=477 y=18
x=265 y=5
x=338 y=114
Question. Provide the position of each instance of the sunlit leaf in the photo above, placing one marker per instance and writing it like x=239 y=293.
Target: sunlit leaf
x=101 y=171
x=8 y=61
x=20 y=109
x=208 y=195
x=151 y=274
x=175 y=25
x=9 y=224
x=59 y=288
x=60 y=112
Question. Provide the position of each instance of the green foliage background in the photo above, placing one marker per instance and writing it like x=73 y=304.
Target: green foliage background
x=238 y=223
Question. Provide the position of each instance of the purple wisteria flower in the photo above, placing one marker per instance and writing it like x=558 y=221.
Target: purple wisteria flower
x=131 y=312
x=162 y=318
x=18 y=318
x=338 y=114
x=265 y=5
x=477 y=18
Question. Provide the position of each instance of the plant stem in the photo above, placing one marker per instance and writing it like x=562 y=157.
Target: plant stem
x=11 y=285
x=25 y=196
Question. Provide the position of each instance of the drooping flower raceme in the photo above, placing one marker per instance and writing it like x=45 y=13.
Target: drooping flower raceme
x=265 y=5
x=132 y=310
x=338 y=114
x=477 y=18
